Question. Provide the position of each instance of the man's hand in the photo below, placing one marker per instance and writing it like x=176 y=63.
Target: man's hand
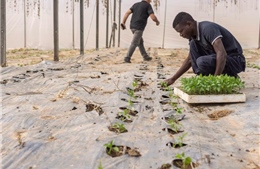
x=154 y=18
x=123 y=27
x=169 y=81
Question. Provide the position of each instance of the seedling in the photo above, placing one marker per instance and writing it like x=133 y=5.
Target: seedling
x=135 y=84
x=100 y=165
x=131 y=93
x=186 y=161
x=110 y=146
x=205 y=85
x=178 y=110
x=173 y=104
x=179 y=141
x=125 y=115
x=253 y=66
x=171 y=94
x=130 y=102
x=172 y=97
x=120 y=127
x=163 y=84
x=174 y=125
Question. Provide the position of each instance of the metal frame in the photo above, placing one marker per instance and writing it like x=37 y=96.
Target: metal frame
x=56 y=29
x=97 y=24
x=3 y=33
x=81 y=27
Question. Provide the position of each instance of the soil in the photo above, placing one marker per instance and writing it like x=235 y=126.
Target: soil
x=122 y=118
x=166 y=166
x=24 y=56
x=91 y=107
x=116 y=130
x=176 y=145
x=219 y=114
x=122 y=150
x=132 y=152
x=178 y=163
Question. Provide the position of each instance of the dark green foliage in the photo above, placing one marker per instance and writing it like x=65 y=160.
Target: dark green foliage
x=205 y=85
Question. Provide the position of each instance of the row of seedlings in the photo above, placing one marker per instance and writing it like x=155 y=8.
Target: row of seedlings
x=175 y=127
x=125 y=116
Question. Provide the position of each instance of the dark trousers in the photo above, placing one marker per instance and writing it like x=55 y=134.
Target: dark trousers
x=204 y=62
x=137 y=41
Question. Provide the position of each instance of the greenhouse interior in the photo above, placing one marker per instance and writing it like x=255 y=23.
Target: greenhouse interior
x=69 y=100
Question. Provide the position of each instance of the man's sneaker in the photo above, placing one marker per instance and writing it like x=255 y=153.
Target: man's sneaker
x=127 y=60
x=148 y=58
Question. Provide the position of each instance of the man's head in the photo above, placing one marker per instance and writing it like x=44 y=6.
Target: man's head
x=185 y=25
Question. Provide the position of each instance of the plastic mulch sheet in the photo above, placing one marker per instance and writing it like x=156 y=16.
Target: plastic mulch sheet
x=56 y=115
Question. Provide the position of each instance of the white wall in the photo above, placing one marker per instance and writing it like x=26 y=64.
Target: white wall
x=240 y=17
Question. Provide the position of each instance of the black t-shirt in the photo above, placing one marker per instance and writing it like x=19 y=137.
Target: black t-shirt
x=141 y=11
x=208 y=32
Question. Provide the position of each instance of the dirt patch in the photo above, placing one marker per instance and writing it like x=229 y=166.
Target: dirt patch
x=24 y=56
x=219 y=114
x=123 y=150
x=166 y=166
x=91 y=107
x=179 y=164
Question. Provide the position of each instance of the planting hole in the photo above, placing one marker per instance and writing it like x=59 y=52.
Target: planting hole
x=131 y=112
x=166 y=166
x=179 y=164
x=172 y=131
x=176 y=145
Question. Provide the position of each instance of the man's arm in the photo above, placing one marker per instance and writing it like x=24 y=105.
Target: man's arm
x=154 y=18
x=128 y=12
x=221 y=56
x=184 y=68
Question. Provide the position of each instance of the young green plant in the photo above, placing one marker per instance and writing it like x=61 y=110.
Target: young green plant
x=120 y=127
x=172 y=97
x=174 y=125
x=110 y=146
x=100 y=165
x=163 y=84
x=186 y=161
x=180 y=139
x=135 y=84
x=125 y=115
x=178 y=110
x=253 y=66
x=131 y=93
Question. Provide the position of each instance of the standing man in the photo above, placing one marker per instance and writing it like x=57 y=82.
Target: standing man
x=213 y=49
x=141 y=11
